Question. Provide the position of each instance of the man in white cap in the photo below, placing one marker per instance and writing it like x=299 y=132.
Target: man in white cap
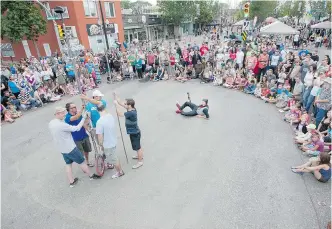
x=92 y=105
x=61 y=133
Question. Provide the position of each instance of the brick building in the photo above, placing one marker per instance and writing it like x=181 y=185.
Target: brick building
x=82 y=20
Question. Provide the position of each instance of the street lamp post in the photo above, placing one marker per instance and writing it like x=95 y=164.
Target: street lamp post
x=106 y=39
x=59 y=10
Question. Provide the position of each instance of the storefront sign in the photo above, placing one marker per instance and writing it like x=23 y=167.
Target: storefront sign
x=95 y=29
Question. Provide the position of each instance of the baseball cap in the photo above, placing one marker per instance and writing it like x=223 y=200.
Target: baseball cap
x=97 y=93
x=59 y=110
x=311 y=126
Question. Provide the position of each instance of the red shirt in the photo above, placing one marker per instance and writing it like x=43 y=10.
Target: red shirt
x=203 y=50
x=150 y=58
x=232 y=56
x=172 y=58
x=185 y=54
x=263 y=60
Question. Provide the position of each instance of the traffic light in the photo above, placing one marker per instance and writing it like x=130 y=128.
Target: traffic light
x=61 y=32
x=246 y=9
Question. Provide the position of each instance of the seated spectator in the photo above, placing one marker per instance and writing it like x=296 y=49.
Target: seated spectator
x=319 y=166
x=313 y=147
x=250 y=88
x=27 y=101
x=271 y=97
x=9 y=99
x=303 y=137
x=160 y=73
x=294 y=115
x=324 y=124
x=13 y=87
x=258 y=91
x=199 y=69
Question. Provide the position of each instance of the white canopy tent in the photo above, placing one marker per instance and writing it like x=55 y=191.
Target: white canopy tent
x=278 y=27
x=322 y=25
x=239 y=23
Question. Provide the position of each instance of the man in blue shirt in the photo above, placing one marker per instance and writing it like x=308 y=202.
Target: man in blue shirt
x=80 y=137
x=92 y=105
x=70 y=72
x=89 y=66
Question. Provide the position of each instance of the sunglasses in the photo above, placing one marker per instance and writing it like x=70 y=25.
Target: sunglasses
x=72 y=107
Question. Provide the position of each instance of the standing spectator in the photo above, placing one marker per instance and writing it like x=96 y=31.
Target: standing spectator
x=239 y=59
x=263 y=60
x=70 y=72
x=195 y=58
x=318 y=41
x=275 y=60
x=323 y=101
x=296 y=41
x=314 y=56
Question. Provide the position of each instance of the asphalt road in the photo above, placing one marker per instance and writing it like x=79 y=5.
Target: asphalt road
x=232 y=171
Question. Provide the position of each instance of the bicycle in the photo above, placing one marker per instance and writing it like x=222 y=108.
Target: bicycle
x=99 y=157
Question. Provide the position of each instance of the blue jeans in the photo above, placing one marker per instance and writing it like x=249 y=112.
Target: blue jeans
x=320 y=115
x=15 y=102
x=306 y=96
x=310 y=100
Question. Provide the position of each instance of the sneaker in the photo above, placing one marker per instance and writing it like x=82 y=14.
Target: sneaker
x=178 y=105
x=135 y=157
x=117 y=175
x=95 y=176
x=139 y=164
x=73 y=183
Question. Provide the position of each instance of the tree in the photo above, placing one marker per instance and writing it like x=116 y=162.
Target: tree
x=295 y=8
x=320 y=9
x=22 y=19
x=261 y=9
x=208 y=11
x=175 y=12
x=125 y=4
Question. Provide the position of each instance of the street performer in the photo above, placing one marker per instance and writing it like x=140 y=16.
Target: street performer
x=201 y=111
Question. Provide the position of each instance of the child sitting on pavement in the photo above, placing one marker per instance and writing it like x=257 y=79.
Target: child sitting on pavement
x=303 y=137
x=313 y=147
x=294 y=115
x=250 y=88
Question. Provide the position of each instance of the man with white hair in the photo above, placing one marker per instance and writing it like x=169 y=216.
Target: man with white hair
x=61 y=133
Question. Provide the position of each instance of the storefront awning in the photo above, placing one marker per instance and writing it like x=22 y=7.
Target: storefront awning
x=132 y=27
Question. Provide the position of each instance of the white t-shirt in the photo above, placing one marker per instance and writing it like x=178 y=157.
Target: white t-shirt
x=239 y=57
x=61 y=133
x=275 y=60
x=296 y=37
x=106 y=127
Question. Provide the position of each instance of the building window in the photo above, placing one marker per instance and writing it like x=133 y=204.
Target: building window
x=109 y=8
x=7 y=50
x=90 y=8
